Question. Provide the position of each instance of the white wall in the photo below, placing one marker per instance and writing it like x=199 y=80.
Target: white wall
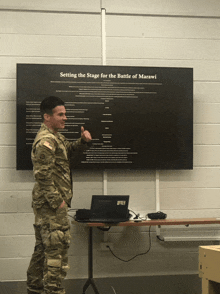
x=168 y=33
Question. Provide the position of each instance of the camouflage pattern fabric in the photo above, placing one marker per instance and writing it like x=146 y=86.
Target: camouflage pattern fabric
x=49 y=262
x=51 y=155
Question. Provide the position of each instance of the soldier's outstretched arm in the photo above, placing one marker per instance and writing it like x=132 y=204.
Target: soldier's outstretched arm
x=85 y=135
x=79 y=145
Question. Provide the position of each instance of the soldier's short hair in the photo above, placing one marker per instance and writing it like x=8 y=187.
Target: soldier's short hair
x=48 y=104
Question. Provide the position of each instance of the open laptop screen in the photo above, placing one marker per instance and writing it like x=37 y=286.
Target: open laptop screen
x=109 y=207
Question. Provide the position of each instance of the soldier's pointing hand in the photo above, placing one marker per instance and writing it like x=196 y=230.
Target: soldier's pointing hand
x=85 y=135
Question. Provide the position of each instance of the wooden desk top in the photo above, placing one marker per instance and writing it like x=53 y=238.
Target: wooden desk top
x=163 y=222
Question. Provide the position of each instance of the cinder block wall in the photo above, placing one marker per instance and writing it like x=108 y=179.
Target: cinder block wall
x=138 y=33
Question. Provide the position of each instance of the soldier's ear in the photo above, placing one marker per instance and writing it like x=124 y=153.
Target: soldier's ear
x=47 y=117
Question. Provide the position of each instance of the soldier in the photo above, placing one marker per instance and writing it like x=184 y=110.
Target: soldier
x=51 y=197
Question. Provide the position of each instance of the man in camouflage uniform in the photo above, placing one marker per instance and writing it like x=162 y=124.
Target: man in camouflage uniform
x=52 y=194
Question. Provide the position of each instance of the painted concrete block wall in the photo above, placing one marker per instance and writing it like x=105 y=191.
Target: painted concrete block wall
x=35 y=34
x=138 y=33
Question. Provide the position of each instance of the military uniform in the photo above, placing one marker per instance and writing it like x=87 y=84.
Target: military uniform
x=51 y=154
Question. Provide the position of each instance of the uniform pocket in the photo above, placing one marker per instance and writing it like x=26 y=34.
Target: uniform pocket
x=56 y=238
x=60 y=239
x=62 y=217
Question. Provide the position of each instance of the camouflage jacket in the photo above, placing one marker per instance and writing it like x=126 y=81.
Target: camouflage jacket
x=50 y=156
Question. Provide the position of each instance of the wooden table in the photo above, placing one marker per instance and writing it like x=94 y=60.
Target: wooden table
x=133 y=223
x=209 y=259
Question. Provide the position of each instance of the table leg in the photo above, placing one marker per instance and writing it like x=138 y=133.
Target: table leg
x=90 y=280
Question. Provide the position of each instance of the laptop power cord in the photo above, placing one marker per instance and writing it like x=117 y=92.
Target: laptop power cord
x=139 y=254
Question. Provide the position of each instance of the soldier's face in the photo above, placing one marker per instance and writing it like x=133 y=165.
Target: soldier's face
x=57 y=120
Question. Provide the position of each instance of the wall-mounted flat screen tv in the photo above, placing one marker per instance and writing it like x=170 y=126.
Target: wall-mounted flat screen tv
x=139 y=117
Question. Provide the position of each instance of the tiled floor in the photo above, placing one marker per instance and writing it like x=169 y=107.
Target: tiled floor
x=186 y=284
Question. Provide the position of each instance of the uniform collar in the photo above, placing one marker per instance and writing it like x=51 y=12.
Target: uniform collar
x=57 y=134
x=44 y=127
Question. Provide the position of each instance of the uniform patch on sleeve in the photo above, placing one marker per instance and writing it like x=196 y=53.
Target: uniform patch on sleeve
x=48 y=145
x=42 y=156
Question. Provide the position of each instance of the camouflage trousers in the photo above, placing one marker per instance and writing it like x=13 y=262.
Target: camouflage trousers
x=49 y=263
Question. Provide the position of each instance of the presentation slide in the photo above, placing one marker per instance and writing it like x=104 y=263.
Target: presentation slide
x=139 y=117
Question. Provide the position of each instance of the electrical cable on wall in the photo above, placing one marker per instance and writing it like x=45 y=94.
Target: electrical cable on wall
x=140 y=254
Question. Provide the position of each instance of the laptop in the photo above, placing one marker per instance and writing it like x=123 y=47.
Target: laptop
x=109 y=208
